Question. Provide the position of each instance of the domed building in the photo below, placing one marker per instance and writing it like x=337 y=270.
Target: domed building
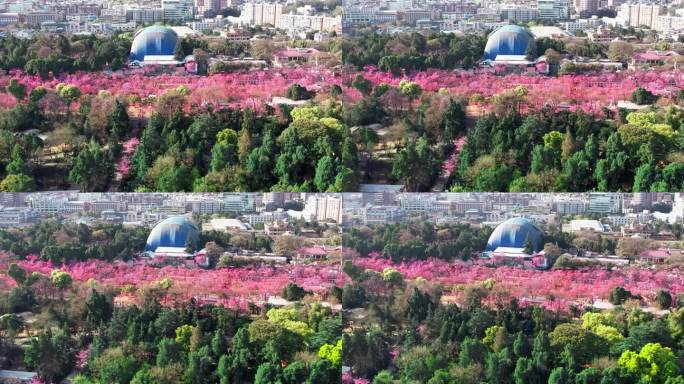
x=509 y=40
x=155 y=41
x=511 y=236
x=171 y=236
x=507 y=47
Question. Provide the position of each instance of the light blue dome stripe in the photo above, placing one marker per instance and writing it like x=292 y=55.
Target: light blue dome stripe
x=156 y=40
x=514 y=233
x=172 y=232
x=507 y=40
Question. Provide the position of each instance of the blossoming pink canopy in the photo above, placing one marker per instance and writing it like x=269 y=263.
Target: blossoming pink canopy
x=565 y=286
x=590 y=92
x=233 y=287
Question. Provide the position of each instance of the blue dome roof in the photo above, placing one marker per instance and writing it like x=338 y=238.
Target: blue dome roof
x=172 y=232
x=514 y=233
x=507 y=40
x=154 y=40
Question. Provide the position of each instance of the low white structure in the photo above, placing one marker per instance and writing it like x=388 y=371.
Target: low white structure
x=17 y=376
x=223 y=224
x=541 y=31
x=584 y=225
x=171 y=252
x=510 y=252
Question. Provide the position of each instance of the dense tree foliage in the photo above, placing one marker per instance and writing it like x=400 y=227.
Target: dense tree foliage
x=132 y=345
x=418 y=241
x=302 y=148
x=53 y=55
x=62 y=243
x=410 y=335
x=428 y=130
x=83 y=332
x=413 y=51
x=570 y=151
x=239 y=150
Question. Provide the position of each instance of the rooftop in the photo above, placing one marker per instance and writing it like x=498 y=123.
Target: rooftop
x=547 y=31
x=509 y=252
x=511 y=59
x=171 y=251
x=313 y=250
x=655 y=254
x=297 y=53
x=17 y=375
x=593 y=225
x=223 y=224
x=655 y=55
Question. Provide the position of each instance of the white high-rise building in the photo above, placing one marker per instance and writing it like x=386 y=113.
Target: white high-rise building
x=570 y=206
x=359 y=15
x=47 y=202
x=600 y=202
x=261 y=13
x=379 y=214
x=669 y=23
x=239 y=202
x=517 y=14
x=416 y=202
x=177 y=9
x=642 y=199
x=202 y=6
x=14 y=216
x=145 y=15
x=316 y=23
x=678 y=207
x=587 y=5
x=637 y=15
x=19 y=6
x=275 y=198
x=553 y=9
x=203 y=205
x=323 y=208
